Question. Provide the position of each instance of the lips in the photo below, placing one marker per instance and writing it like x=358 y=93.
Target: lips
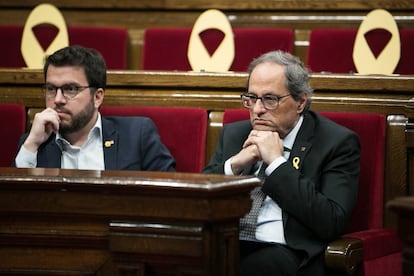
x=62 y=113
x=258 y=121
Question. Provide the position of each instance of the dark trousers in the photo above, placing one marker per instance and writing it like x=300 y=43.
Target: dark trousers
x=257 y=258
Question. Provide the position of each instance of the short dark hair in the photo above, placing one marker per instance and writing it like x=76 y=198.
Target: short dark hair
x=89 y=59
x=297 y=75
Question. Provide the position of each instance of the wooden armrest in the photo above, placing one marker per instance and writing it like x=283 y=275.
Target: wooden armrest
x=344 y=255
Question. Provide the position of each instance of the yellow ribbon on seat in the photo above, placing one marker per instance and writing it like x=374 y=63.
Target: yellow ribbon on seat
x=198 y=56
x=364 y=60
x=32 y=52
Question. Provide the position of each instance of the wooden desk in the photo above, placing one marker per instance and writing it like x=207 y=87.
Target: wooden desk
x=404 y=207
x=61 y=222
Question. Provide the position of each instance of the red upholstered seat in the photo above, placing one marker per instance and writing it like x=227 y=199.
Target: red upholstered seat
x=182 y=130
x=166 y=48
x=112 y=43
x=234 y=115
x=330 y=50
x=381 y=247
x=406 y=66
x=12 y=126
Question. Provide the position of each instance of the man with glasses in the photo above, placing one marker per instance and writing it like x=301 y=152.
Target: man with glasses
x=70 y=133
x=309 y=168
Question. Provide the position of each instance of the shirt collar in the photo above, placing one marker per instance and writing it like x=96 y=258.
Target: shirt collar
x=291 y=137
x=95 y=130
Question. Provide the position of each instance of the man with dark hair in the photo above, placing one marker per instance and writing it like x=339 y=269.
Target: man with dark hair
x=70 y=133
x=309 y=166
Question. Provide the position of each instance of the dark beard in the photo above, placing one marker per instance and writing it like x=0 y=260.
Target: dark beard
x=79 y=121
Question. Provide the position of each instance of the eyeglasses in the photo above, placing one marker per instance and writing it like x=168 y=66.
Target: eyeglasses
x=69 y=91
x=269 y=101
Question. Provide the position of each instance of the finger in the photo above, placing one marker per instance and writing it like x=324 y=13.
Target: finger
x=249 y=141
x=252 y=133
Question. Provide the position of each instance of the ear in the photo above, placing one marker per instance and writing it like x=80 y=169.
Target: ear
x=98 y=97
x=302 y=102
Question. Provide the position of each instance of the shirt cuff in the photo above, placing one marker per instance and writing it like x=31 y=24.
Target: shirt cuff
x=274 y=165
x=227 y=167
x=26 y=158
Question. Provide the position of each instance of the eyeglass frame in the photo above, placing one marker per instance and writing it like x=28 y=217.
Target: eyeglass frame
x=253 y=98
x=78 y=88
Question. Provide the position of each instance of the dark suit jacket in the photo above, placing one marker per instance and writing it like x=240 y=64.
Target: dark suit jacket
x=133 y=143
x=317 y=199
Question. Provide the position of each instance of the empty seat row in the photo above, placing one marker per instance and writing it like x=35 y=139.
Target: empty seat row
x=329 y=50
x=166 y=48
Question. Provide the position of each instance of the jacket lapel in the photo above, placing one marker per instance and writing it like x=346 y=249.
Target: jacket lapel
x=53 y=155
x=301 y=147
x=298 y=154
x=110 y=145
x=303 y=142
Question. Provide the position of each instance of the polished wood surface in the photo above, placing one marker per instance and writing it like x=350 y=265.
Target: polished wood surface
x=404 y=208
x=301 y=16
x=217 y=91
x=221 y=4
x=392 y=96
x=409 y=139
x=74 y=222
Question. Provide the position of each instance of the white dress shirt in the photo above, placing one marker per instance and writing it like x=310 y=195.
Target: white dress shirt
x=89 y=156
x=269 y=222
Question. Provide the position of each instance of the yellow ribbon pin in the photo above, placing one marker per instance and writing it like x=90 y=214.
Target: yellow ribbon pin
x=295 y=162
x=109 y=143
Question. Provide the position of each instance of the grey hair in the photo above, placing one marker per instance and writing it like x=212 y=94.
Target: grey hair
x=297 y=75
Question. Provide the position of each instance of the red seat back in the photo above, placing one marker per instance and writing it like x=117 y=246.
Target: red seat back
x=330 y=50
x=371 y=129
x=368 y=213
x=182 y=130
x=112 y=43
x=12 y=126
x=166 y=48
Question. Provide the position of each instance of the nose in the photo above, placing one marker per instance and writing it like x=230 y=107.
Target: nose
x=259 y=108
x=59 y=95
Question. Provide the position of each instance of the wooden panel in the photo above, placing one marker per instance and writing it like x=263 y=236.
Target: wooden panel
x=409 y=139
x=221 y=4
x=78 y=222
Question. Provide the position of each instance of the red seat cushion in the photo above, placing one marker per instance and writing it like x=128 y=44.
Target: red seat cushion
x=166 y=48
x=182 y=130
